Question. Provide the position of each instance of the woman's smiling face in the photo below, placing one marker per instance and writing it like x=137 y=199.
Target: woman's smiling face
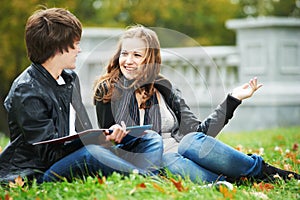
x=131 y=58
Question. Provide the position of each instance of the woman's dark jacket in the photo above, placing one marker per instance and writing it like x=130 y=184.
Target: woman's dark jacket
x=108 y=113
x=38 y=109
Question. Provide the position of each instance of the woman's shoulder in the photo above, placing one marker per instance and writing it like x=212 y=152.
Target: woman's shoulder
x=161 y=80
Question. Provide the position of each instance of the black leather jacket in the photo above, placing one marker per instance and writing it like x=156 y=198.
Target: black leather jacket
x=38 y=109
x=187 y=120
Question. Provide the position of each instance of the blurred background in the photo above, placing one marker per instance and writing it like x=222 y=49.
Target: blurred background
x=204 y=22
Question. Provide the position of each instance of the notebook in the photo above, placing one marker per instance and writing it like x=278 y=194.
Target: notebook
x=98 y=135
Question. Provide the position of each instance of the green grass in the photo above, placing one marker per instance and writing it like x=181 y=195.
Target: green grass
x=277 y=146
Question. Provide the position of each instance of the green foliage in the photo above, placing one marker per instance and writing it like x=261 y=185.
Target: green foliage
x=203 y=21
x=3 y=141
x=256 y=8
x=173 y=187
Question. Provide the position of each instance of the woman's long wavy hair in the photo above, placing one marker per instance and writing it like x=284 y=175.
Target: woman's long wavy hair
x=144 y=82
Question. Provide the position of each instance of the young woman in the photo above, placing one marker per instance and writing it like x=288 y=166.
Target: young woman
x=132 y=90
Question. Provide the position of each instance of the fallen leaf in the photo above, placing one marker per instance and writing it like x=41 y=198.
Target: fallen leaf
x=280 y=137
x=263 y=186
x=178 y=185
x=18 y=182
x=141 y=185
x=239 y=147
x=7 y=197
x=226 y=192
x=292 y=156
x=287 y=167
x=158 y=188
x=295 y=147
x=101 y=180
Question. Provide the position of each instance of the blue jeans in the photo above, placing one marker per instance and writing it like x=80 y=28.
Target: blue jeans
x=202 y=158
x=143 y=154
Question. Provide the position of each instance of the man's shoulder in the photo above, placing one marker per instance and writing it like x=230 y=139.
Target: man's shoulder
x=25 y=78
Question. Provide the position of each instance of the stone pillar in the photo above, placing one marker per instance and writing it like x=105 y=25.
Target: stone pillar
x=269 y=48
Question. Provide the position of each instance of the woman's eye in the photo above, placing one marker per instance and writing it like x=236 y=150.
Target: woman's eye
x=124 y=53
x=137 y=55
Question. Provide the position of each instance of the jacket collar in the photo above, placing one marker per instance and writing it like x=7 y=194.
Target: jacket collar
x=66 y=74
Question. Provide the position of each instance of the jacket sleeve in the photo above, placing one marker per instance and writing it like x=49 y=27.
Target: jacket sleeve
x=104 y=114
x=31 y=113
x=211 y=125
x=215 y=122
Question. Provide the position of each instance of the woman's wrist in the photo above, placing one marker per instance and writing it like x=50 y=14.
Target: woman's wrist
x=235 y=96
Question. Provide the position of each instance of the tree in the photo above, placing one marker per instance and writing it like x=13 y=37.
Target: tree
x=204 y=21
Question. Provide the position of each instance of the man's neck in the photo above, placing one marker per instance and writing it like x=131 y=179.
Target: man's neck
x=51 y=66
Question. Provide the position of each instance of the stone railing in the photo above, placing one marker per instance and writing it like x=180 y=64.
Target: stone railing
x=199 y=71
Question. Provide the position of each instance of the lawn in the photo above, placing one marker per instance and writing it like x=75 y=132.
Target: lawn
x=278 y=147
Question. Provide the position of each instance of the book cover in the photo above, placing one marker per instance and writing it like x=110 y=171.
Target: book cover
x=98 y=136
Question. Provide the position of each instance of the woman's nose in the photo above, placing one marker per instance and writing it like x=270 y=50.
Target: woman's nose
x=129 y=59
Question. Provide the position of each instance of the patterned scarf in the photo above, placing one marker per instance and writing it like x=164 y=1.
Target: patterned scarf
x=125 y=107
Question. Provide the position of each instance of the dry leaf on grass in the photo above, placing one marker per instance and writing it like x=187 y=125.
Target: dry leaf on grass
x=7 y=197
x=18 y=182
x=263 y=186
x=158 y=188
x=227 y=193
x=101 y=180
x=295 y=147
x=178 y=185
x=141 y=185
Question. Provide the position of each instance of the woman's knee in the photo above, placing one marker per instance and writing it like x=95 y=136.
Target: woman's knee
x=172 y=161
x=149 y=134
x=153 y=139
x=190 y=140
x=193 y=136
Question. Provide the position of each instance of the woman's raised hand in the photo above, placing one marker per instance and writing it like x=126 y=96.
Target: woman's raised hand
x=245 y=91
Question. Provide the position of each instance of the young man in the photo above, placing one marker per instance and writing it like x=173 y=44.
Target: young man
x=44 y=103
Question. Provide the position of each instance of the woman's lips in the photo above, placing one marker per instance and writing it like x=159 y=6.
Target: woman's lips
x=130 y=69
